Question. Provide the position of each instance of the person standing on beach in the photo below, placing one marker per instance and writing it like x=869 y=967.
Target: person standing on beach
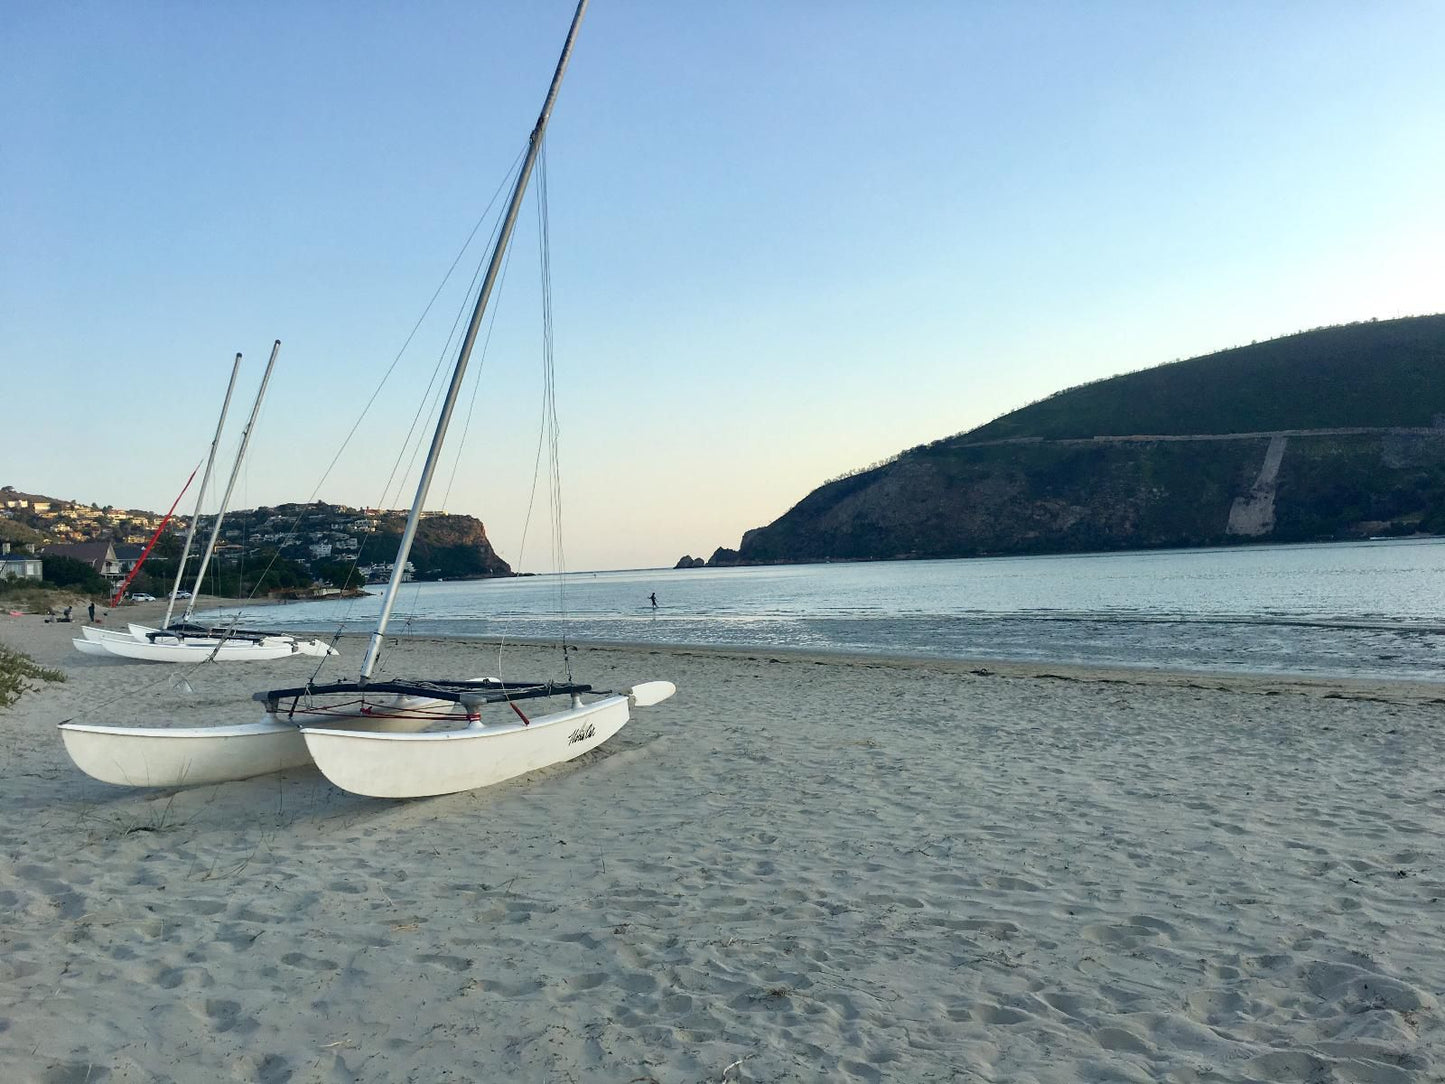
x=653 y=596
x=91 y=607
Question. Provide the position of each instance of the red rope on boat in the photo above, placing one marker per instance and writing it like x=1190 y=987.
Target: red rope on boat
x=525 y=720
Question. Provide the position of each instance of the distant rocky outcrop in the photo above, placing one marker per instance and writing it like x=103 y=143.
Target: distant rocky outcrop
x=326 y=538
x=1330 y=434
x=689 y=561
x=447 y=547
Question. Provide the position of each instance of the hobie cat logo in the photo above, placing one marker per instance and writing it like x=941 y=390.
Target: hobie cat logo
x=582 y=733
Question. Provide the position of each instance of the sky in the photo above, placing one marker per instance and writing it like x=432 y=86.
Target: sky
x=786 y=239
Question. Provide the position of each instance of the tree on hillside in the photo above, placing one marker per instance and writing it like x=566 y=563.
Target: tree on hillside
x=341 y=574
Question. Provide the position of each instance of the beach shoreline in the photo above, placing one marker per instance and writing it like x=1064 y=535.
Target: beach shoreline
x=54 y=650
x=802 y=867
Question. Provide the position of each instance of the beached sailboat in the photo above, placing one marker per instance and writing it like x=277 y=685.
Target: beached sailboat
x=380 y=738
x=185 y=641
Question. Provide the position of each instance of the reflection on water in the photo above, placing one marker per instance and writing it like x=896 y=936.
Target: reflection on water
x=1361 y=609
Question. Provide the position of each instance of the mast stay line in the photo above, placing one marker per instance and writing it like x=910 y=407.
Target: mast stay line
x=509 y=220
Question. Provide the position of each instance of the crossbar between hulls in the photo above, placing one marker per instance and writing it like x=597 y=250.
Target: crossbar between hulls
x=184 y=629
x=466 y=692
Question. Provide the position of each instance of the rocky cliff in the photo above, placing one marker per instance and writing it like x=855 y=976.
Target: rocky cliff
x=1123 y=463
x=446 y=547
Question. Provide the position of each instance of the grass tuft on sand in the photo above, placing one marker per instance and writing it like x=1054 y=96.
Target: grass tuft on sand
x=19 y=673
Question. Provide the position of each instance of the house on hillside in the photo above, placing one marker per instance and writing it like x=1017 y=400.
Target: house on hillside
x=98 y=555
x=381 y=572
x=128 y=555
x=18 y=566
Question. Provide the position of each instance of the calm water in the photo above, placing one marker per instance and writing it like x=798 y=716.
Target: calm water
x=1373 y=608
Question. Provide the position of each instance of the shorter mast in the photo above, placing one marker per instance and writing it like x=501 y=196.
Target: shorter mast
x=201 y=496
x=509 y=220
x=230 y=485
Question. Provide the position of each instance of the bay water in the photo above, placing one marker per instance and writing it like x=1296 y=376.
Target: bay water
x=1367 y=609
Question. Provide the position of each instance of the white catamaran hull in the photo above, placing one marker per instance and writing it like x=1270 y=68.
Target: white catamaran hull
x=183 y=756
x=445 y=762
x=136 y=643
x=92 y=640
x=127 y=647
x=95 y=634
x=190 y=756
x=419 y=765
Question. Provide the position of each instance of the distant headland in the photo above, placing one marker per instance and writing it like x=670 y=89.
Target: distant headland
x=1330 y=434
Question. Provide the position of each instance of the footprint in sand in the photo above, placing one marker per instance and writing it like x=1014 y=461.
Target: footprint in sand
x=225 y=1015
x=451 y=963
x=308 y=963
x=1127 y=1041
x=998 y=1014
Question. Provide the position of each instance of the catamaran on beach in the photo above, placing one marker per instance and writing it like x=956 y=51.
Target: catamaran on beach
x=371 y=736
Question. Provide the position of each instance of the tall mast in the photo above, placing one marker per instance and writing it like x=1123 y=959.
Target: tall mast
x=464 y=355
x=235 y=470
x=201 y=496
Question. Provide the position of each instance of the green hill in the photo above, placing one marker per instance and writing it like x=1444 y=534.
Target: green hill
x=1329 y=434
x=1382 y=374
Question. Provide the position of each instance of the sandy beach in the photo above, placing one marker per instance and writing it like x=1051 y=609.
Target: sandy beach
x=797 y=869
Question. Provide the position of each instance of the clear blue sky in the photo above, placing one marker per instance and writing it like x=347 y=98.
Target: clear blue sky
x=788 y=239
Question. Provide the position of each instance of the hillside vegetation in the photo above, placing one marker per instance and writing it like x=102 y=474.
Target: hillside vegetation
x=1329 y=434
x=1380 y=374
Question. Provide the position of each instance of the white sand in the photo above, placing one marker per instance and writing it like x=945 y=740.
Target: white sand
x=795 y=870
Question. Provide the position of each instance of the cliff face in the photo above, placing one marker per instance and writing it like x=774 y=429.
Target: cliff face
x=446 y=547
x=1117 y=493
x=1332 y=434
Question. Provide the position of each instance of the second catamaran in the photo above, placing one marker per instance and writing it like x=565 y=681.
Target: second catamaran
x=184 y=641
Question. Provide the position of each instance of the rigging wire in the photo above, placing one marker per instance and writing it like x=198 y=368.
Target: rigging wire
x=479 y=363
x=559 y=556
x=430 y=399
x=389 y=496
x=503 y=186
x=179 y=679
x=548 y=435
x=477 y=382
x=549 y=430
x=294 y=526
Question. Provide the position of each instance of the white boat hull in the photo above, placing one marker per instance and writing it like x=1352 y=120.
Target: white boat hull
x=95 y=634
x=183 y=756
x=136 y=643
x=190 y=756
x=445 y=762
x=89 y=647
x=175 y=650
